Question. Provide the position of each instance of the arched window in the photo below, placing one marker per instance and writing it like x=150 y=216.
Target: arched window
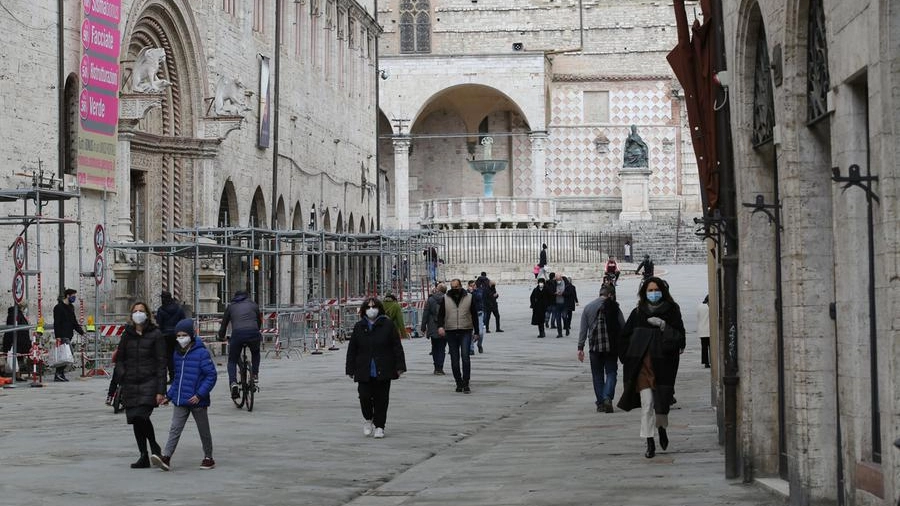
x=817 y=81
x=70 y=132
x=415 y=26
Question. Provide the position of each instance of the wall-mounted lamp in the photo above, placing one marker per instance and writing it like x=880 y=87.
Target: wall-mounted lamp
x=384 y=74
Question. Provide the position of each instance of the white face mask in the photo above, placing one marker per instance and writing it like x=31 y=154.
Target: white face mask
x=183 y=341
x=372 y=313
x=139 y=317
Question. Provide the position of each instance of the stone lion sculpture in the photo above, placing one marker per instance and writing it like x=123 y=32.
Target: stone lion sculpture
x=229 y=100
x=143 y=75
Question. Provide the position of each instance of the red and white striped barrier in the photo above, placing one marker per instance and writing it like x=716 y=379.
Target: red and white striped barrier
x=111 y=330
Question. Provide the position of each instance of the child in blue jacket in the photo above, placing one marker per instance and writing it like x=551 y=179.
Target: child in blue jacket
x=195 y=377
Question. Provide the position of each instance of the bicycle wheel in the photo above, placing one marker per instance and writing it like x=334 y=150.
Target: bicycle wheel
x=242 y=378
x=249 y=385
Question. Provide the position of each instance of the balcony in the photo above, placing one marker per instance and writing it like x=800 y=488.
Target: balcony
x=488 y=212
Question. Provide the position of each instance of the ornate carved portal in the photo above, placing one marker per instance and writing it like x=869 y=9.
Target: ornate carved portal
x=763 y=103
x=817 y=80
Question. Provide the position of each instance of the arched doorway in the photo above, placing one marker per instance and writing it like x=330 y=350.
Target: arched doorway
x=254 y=262
x=296 y=280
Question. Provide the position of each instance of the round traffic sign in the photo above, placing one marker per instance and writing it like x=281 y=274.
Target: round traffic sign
x=98 y=269
x=99 y=238
x=19 y=253
x=18 y=287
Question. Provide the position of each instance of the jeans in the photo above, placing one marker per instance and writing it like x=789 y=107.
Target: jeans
x=235 y=345
x=438 y=352
x=460 y=341
x=487 y=318
x=556 y=318
x=481 y=332
x=604 y=372
x=567 y=319
x=179 y=417
x=374 y=397
x=433 y=271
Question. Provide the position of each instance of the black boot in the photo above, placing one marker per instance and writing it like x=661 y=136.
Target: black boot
x=651 y=448
x=142 y=462
x=663 y=438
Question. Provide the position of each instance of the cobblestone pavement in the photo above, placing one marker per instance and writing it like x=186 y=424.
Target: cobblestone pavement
x=527 y=435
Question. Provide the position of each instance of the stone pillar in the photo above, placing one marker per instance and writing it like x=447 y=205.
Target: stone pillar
x=538 y=164
x=123 y=184
x=401 y=181
x=635 y=183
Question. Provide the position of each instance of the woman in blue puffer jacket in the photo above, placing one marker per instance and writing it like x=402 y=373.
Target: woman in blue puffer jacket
x=195 y=377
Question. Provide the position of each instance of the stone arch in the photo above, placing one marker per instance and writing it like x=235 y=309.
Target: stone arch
x=165 y=178
x=296 y=275
x=280 y=216
x=228 y=206
x=297 y=220
x=351 y=225
x=326 y=220
x=473 y=101
x=755 y=155
x=339 y=225
x=362 y=225
x=257 y=216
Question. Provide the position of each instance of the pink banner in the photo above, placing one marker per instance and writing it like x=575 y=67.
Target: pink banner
x=100 y=39
x=108 y=10
x=99 y=112
x=99 y=74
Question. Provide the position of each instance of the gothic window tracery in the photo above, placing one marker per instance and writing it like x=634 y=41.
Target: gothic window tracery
x=817 y=79
x=415 y=26
x=763 y=103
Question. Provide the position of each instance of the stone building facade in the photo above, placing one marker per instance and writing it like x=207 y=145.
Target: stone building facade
x=557 y=95
x=815 y=111
x=180 y=163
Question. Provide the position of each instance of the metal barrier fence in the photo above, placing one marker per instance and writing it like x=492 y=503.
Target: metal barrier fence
x=488 y=246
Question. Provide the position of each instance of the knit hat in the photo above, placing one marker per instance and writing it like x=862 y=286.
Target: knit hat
x=186 y=326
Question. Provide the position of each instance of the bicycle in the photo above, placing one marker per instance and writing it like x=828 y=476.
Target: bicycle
x=246 y=382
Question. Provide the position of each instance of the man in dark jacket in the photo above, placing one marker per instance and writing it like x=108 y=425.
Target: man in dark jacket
x=245 y=319
x=430 y=327
x=65 y=324
x=167 y=316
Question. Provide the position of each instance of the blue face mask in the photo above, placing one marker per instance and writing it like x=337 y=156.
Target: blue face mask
x=654 y=297
x=72 y=299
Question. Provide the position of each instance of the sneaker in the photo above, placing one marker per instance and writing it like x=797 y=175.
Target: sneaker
x=379 y=433
x=438 y=372
x=600 y=408
x=208 y=463
x=235 y=391
x=499 y=330
x=608 y=407
x=466 y=390
x=367 y=428
x=161 y=462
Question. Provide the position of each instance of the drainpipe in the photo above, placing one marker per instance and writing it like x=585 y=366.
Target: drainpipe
x=273 y=283
x=61 y=134
x=728 y=206
x=377 y=117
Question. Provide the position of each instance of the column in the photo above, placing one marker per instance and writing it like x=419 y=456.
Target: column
x=538 y=164
x=635 y=183
x=401 y=181
x=123 y=184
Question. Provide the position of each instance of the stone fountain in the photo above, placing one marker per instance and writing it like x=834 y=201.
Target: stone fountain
x=488 y=167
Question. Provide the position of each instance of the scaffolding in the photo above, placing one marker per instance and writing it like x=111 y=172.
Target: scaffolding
x=36 y=196
x=327 y=275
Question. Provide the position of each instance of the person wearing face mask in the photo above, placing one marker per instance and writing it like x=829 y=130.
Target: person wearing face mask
x=65 y=324
x=600 y=324
x=195 y=377
x=19 y=341
x=141 y=369
x=538 y=306
x=650 y=345
x=374 y=358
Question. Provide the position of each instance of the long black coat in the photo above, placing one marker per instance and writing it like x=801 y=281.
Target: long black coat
x=381 y=343
x=538 y=306
x=22 y=337
x=638 y=338
x=65 y=324
x=141 y=366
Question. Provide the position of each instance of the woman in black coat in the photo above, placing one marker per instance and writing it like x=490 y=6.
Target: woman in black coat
x=570 y=299
x=141 y=369
x=651 y=342
x=21 y=338
x=374 y=358
x=538 y=306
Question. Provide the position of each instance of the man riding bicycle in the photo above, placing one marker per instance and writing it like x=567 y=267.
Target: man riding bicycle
x=245 y=319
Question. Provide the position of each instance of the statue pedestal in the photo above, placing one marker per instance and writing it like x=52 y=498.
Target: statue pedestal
x=125 y=273
x=635 y=183
x=209 y=279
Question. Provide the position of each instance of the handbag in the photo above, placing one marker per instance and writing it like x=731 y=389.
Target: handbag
x=60 y=355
